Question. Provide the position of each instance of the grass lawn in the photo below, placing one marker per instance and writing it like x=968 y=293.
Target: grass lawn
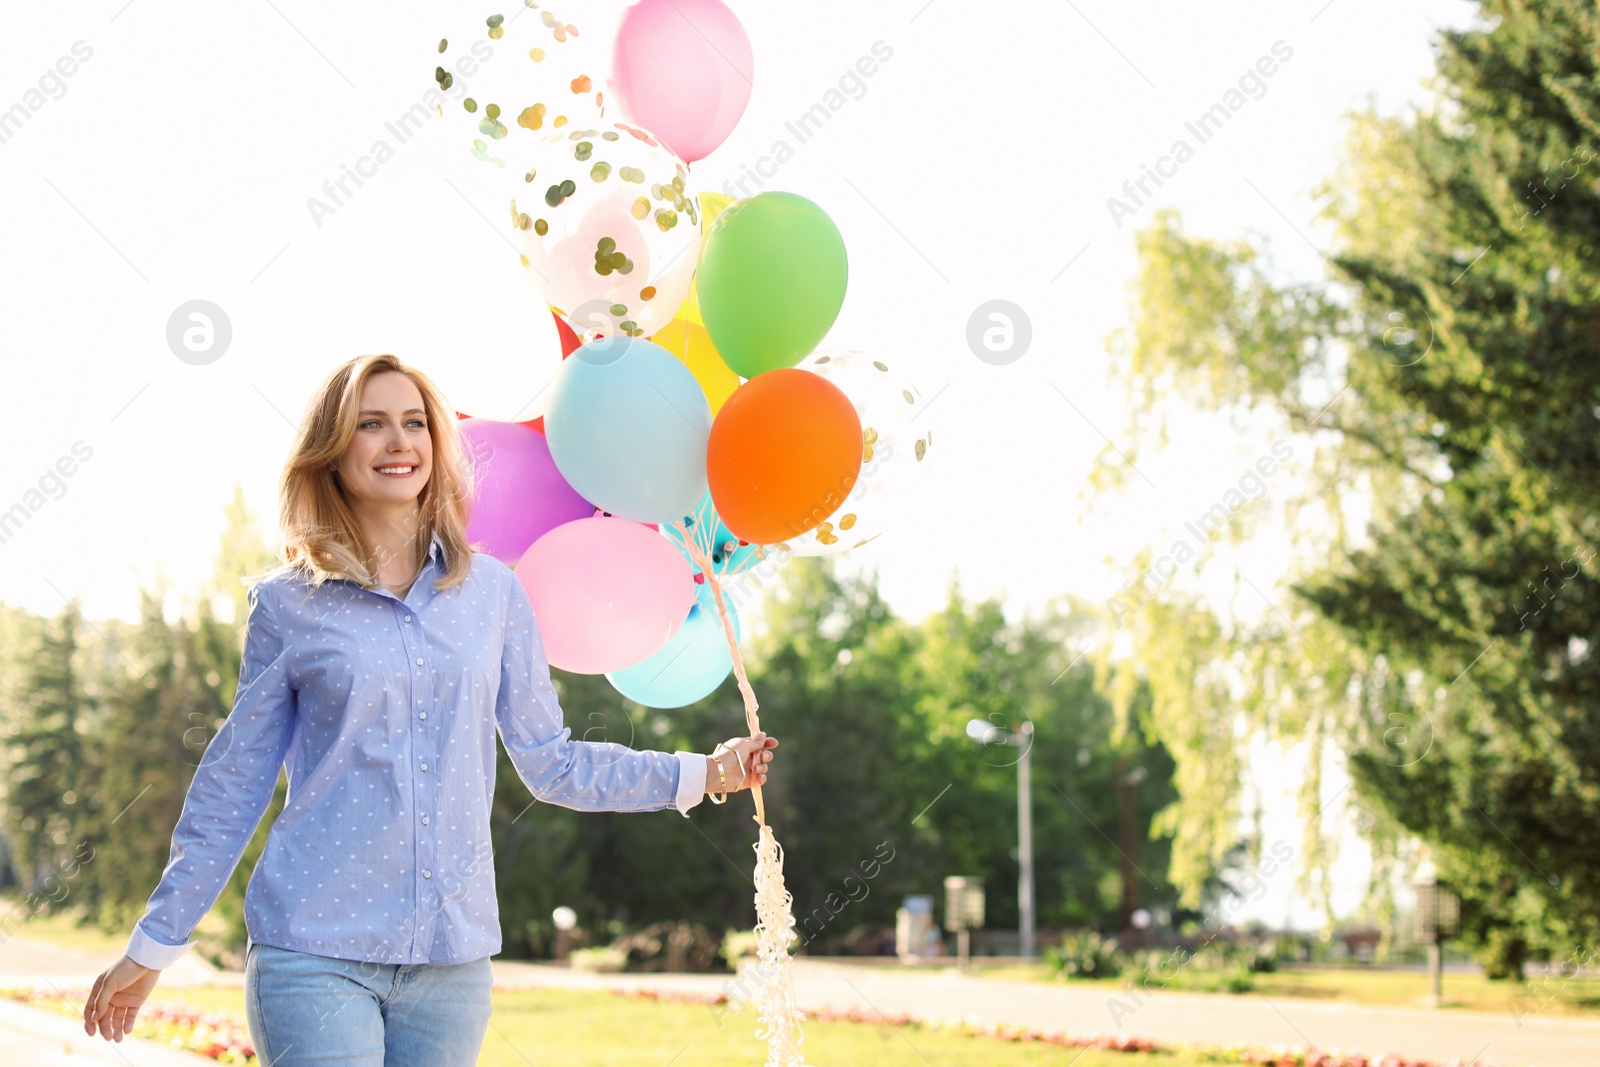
x=1555 y=996
x=583 y=1029
x=62 y=928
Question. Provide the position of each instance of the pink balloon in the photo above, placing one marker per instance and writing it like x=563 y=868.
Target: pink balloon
x=608 y=593
x=520 y=494
x=682 y=70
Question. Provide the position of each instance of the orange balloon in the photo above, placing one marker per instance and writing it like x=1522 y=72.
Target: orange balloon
x=784 y=452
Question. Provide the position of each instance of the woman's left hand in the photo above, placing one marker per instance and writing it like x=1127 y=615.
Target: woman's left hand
x=754 y=752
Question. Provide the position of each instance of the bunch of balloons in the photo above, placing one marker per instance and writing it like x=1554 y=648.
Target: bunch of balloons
x=691 y=431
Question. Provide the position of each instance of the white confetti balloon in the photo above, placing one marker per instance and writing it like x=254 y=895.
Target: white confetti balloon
x=609 y=227
x=893 y=446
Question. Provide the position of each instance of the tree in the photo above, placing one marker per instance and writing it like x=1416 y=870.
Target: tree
x=174 y=689
x=50 y=786
x=217 y=641
x=1446 y=374
x=158 y=718
x=879 y=791
x=19 y=632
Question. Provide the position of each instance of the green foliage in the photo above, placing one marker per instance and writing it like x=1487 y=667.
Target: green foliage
x=47 y=746
x=599 y=958
x=1216 y=966
x=1229 y=957
x=1263 y=960
x=737 y=944
x=1446 y=375
x=879 y=791
x=144 y=701
x=1085 y=954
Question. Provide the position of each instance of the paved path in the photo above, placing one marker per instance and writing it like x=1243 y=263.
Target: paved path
x=34 y=1037
x=1162 y=1016
x=30 y=1037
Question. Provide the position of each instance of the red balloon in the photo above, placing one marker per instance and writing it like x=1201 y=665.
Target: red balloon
x=569 y=339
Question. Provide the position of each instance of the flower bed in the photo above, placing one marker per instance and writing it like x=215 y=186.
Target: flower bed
x=206 y=1033
x=226 y=1040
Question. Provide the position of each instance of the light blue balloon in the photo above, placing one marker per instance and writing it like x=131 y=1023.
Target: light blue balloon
x=690 y=666
x=627 y=427
x=728 y=555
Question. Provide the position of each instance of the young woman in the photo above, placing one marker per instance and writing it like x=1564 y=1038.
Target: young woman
x=379 y=659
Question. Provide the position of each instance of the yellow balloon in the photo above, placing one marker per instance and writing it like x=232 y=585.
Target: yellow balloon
x=692 y=344
x=711 y=205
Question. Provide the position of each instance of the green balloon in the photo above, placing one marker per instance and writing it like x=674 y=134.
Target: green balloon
x=771 y=281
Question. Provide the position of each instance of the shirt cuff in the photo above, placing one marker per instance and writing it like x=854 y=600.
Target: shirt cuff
x=148 y=952
x=691 y=781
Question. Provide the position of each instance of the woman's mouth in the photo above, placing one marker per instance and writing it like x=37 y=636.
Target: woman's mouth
x=398 y=471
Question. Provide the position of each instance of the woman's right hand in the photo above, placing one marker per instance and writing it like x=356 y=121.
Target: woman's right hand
x=118 y=994
x=753 y=754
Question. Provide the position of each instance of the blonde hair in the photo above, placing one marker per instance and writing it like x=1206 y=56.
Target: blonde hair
x=321 y=538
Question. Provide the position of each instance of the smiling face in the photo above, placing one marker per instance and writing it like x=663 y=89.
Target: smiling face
x=387 y=462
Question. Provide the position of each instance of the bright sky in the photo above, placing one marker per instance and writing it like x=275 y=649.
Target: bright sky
x=974 y=164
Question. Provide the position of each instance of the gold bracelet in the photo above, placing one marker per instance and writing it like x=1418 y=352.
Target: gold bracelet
x=722 y=781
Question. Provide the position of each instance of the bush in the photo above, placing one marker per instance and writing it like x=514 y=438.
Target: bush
x=669 y=946
x=1263 y=958
x=1214 y=967
x=737 y=944
x=599 y=958
x=1292 y=948
x=1085 y=954
x=1502 y=951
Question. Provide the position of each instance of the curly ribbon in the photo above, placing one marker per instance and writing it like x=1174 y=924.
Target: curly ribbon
x=702 y=559
x=779 y=1016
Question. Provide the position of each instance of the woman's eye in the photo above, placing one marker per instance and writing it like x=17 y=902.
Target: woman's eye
x=418 y=422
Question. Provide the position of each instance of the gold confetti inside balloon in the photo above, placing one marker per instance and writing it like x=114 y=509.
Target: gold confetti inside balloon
x=499 y=76
x=516 y=54
x=893 y=445
x=610 y=226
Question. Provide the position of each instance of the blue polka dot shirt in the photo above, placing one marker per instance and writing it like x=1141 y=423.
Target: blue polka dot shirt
x=384 y=711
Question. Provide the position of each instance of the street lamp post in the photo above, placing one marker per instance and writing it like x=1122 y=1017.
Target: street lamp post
x=1025 y=838
x=565 y=919
x=990 y=734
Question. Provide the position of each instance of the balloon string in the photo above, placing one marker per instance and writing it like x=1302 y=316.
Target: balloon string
x=752 y=720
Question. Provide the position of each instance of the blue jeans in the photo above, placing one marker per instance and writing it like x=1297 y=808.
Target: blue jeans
x=310 y=1011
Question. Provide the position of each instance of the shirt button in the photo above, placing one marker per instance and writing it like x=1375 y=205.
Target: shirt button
x=408 y=618
x=427 y=874
x=422 y=715
x=424 y=820
x=419 y=661
x=424 y=766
